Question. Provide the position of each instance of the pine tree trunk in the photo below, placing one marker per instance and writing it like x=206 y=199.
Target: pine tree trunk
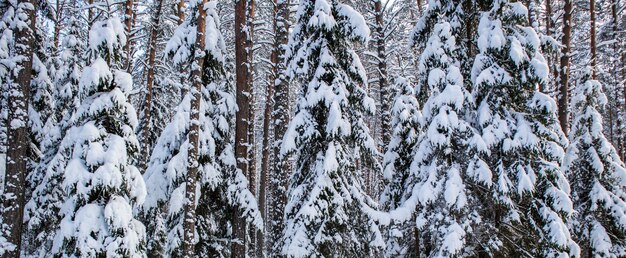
x=147 y=125
x=90 y=14
x=60 y=6
x=265 y=162
x=13 y=199
x=616 y=78
x=180 y=11
x=252 y=172
x=280 y=117
x=549 y=28
x=189 y=225
x=565 y=65
x=622 y=152
x=243 y=123
x=385 y=92
x=592 y=14
x=129 y=26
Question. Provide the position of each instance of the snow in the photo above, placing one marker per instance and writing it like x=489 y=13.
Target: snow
x=108 y=35
x=356 y=23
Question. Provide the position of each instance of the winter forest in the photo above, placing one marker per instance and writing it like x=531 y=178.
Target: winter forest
x=312 y=128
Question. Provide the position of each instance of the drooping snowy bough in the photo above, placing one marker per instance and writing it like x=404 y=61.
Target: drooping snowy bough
x=327 y=213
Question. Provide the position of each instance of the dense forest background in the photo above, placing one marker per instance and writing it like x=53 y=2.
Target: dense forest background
x=333 y=128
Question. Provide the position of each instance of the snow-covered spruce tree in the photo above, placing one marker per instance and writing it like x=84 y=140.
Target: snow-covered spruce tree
x=327 y=213
x=597 y=176
x=221 y=189
x=101 y=186
x=42 y=210
x=447 y=174
x=530 y=202
x=406 y=124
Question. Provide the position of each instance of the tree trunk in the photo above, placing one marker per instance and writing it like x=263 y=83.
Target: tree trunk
x=129 y=26
x=189 y=225
x=280 y=117
x=592 y=14
x=147 y=124
x=565 y=65
x=13 y=199
x=243 y=123
x=616 y=77
x=60 y=6
x=623 y=78
x=180 y=11
x=385 y=92
x=90 y=14
x=252 y=172
x=265 y=162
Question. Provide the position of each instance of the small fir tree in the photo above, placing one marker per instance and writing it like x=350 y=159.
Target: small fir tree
x=598 y=177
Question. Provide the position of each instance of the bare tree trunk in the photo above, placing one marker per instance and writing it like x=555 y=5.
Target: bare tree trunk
x=90 y=14
x=242 y=125
x=565 y=65
x=58 y=18
x=623 y=78
x=592 y=14
x=280 y=117
x=13 y=199
x=616 y=77
x=152 y=45
x=189 y=225
x=265 y=162
x=180 y=11
x=129 y=27
x=252 y=171
x=549 y=28
x=385 y=93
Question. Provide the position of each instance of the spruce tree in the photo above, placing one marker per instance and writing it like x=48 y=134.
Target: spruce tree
x=328 y=213
x=530 y=200
x=406 y=120
x=597 y=176
x=42 y=214
x=222 y=190
x=447 y=172
x=100 y=184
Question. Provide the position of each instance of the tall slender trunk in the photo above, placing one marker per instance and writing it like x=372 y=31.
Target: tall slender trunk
x=180 y=12
x=550 y=56
x=60 y=7
x=385 y=93
x=90 y=14
x=189 y=224
x=152 y=45
x=280 y=117
x=13 y=199
x=592 y=14
x=616 y=78
x=128 y=19
x=252 y=151
x=265 y=162
x=242 y=123
x=565 y=65
x=623 y=79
